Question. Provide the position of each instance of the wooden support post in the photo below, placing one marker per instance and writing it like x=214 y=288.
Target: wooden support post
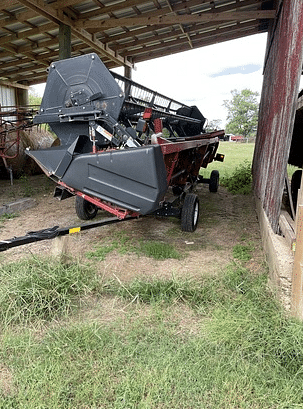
x=299 y=199
x=61 y=248
x=65 y=44
x=21 y=97
x=128 y=72
x=297 y=275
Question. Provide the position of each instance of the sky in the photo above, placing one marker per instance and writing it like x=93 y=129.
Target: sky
x=206 y=76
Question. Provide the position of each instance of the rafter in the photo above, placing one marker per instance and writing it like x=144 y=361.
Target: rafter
x=209 y=35
x=180 y=25
x=192 y=27
x=5 y=4
x=120 y=31
x=26 y=33
x=145 y=55
x=57 y=16
x=179 y=19
x=113 y=8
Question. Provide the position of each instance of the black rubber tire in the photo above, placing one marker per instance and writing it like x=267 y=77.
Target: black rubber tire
x=214 y=181
x=84 y=209
x=295 y=186
x=190 y=213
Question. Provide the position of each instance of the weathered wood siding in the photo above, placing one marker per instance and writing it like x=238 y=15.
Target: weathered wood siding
x=282 y=71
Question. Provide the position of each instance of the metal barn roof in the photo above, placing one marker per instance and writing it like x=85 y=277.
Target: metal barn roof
x=121 y=32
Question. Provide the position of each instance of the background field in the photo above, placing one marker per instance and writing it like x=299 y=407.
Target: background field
x=235 y=153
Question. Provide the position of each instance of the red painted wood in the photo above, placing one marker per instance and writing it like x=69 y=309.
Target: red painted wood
x=282 y=73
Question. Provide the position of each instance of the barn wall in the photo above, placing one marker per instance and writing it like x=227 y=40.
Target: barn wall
x=283 y=66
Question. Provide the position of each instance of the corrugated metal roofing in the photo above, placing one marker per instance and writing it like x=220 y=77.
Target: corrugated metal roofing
x=122 y=32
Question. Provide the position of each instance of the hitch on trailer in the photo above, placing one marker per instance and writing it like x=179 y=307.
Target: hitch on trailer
x=53 y=232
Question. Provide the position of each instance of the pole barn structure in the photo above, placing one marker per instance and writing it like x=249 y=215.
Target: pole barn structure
x=279 y=100
x=34 y=33
x=282 y=72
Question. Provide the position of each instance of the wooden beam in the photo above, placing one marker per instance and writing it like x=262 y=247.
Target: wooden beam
x=5 y=4
x=210 y=30
x=139 y=31
x=111 y=9
x=19 y=17
x=179 y=19
x=183 y=6
x=60 y=4
x=287 y=227
x=180 y=25
x=164 y=49
x=212 y=35
x=57 y=16
x=26 y=34
x=14 y=85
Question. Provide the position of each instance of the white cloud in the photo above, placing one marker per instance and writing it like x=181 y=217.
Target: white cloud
x=186 y=77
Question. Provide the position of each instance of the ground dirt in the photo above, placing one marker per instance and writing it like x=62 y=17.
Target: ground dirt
x=225 y=220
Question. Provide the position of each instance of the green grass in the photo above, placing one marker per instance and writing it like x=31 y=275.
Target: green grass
x=159 y=250
x=7 y=216
x=41 y=289
x=235 y=153
x=72 y=339
x=242 y=252
x=223 y=342
x=123 y=244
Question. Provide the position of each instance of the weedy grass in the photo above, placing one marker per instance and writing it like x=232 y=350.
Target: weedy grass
x=239 y=349
x=159 y=250
x=243 y=251
x=7 y=216
x=27 y=189
x=240 y=180
x=44 y=289
x=123 y=244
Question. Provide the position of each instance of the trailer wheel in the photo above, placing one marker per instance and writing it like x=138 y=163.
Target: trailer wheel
x=214 y=181
x=190 y=213
x=84 y=209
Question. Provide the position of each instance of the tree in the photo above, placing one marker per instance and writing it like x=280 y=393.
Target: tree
x=242 y=118
x=34 y=98
x=214 y=125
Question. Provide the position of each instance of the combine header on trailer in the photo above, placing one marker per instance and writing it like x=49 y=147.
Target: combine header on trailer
x=122 y=144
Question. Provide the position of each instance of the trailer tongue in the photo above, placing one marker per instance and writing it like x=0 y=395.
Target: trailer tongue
x=113 y=153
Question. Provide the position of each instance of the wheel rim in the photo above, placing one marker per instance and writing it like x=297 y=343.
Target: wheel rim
x=196 y=213
x=91 y=208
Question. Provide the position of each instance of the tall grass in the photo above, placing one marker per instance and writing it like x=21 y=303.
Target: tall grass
x=41 y=288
